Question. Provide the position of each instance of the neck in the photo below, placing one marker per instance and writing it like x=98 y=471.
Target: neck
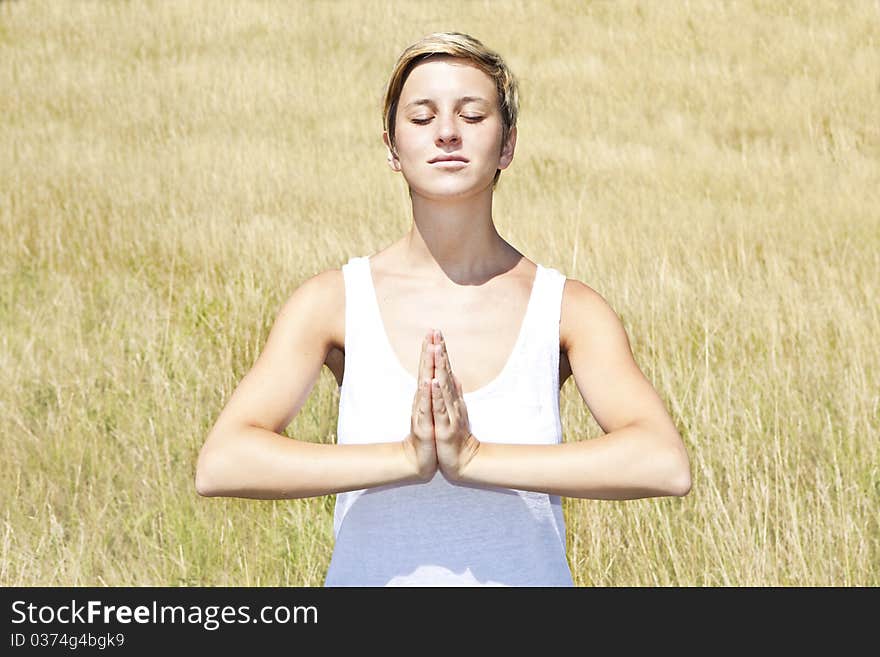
x=456 y=240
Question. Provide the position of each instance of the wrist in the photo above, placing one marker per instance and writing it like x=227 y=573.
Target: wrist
x=416 y=468
x=469 y=450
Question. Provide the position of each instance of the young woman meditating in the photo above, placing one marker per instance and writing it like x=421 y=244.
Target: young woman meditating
x=450 y=347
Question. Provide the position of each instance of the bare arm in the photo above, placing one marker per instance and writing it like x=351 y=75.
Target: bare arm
x=641 y=453
x=245 y=455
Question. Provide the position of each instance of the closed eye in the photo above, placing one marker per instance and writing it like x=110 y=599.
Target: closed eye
x=467 y=118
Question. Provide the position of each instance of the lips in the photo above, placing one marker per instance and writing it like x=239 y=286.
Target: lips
x=448 y=158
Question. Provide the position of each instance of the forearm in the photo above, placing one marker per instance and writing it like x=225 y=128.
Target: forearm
x=628 y=463
x=258 y=463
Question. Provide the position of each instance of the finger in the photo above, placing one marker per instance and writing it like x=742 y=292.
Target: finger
x=447 y=367
x=447 y=392
x=458 y=388
x=438 y=404
x=425 y=410
x=443 y=374
x=426 y=365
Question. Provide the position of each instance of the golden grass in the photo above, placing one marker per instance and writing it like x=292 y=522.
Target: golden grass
x=170 y=172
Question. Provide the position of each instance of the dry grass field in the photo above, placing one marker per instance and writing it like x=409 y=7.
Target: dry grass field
x=171 y=171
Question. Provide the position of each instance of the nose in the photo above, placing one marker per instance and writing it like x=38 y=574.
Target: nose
x=447 y=131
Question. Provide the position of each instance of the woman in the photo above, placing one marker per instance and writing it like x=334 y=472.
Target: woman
x=450 y=348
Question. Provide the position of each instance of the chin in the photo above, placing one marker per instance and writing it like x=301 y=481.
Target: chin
x=448 y=189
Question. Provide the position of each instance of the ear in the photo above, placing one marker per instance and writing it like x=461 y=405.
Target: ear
x=393 y=162
x=507 y=150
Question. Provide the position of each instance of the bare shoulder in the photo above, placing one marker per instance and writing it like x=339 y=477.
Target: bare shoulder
x=320 y=299
x=587 y=319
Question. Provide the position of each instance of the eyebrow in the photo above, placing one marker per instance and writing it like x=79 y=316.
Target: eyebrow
x=461 y=101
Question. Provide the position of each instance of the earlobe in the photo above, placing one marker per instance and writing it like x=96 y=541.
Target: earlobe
x=508 y=149
x=392 y=156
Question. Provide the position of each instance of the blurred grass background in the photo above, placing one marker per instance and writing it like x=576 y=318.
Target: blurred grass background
x=171 y=171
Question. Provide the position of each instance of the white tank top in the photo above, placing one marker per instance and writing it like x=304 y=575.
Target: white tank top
x=439 y=533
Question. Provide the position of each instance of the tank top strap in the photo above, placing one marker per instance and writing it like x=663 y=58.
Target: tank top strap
x=553 y=308
x=360 y=312
x=550 y=301
x=545 y=309
x=540 y=343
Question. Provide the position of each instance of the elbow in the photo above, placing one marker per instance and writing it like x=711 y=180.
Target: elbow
x=672 y=468
x=212 y=476
x=679 y=475
x=204 y=487
x=681 y=483
x=207 y=478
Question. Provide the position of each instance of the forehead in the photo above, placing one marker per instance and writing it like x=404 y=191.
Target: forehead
x=445 y=80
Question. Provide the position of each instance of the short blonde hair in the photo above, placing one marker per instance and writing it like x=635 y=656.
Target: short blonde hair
x=464 y=46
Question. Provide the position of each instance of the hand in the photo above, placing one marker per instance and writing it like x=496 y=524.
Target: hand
x=419 y=444
x=456 y=445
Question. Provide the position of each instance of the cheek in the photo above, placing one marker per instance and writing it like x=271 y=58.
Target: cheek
x=496 y=142
x=409 y=140
x=488 y=139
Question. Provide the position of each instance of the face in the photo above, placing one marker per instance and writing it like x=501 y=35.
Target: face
x=449 y=108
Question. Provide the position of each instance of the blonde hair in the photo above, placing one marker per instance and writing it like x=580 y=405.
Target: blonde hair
x=464 y=46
